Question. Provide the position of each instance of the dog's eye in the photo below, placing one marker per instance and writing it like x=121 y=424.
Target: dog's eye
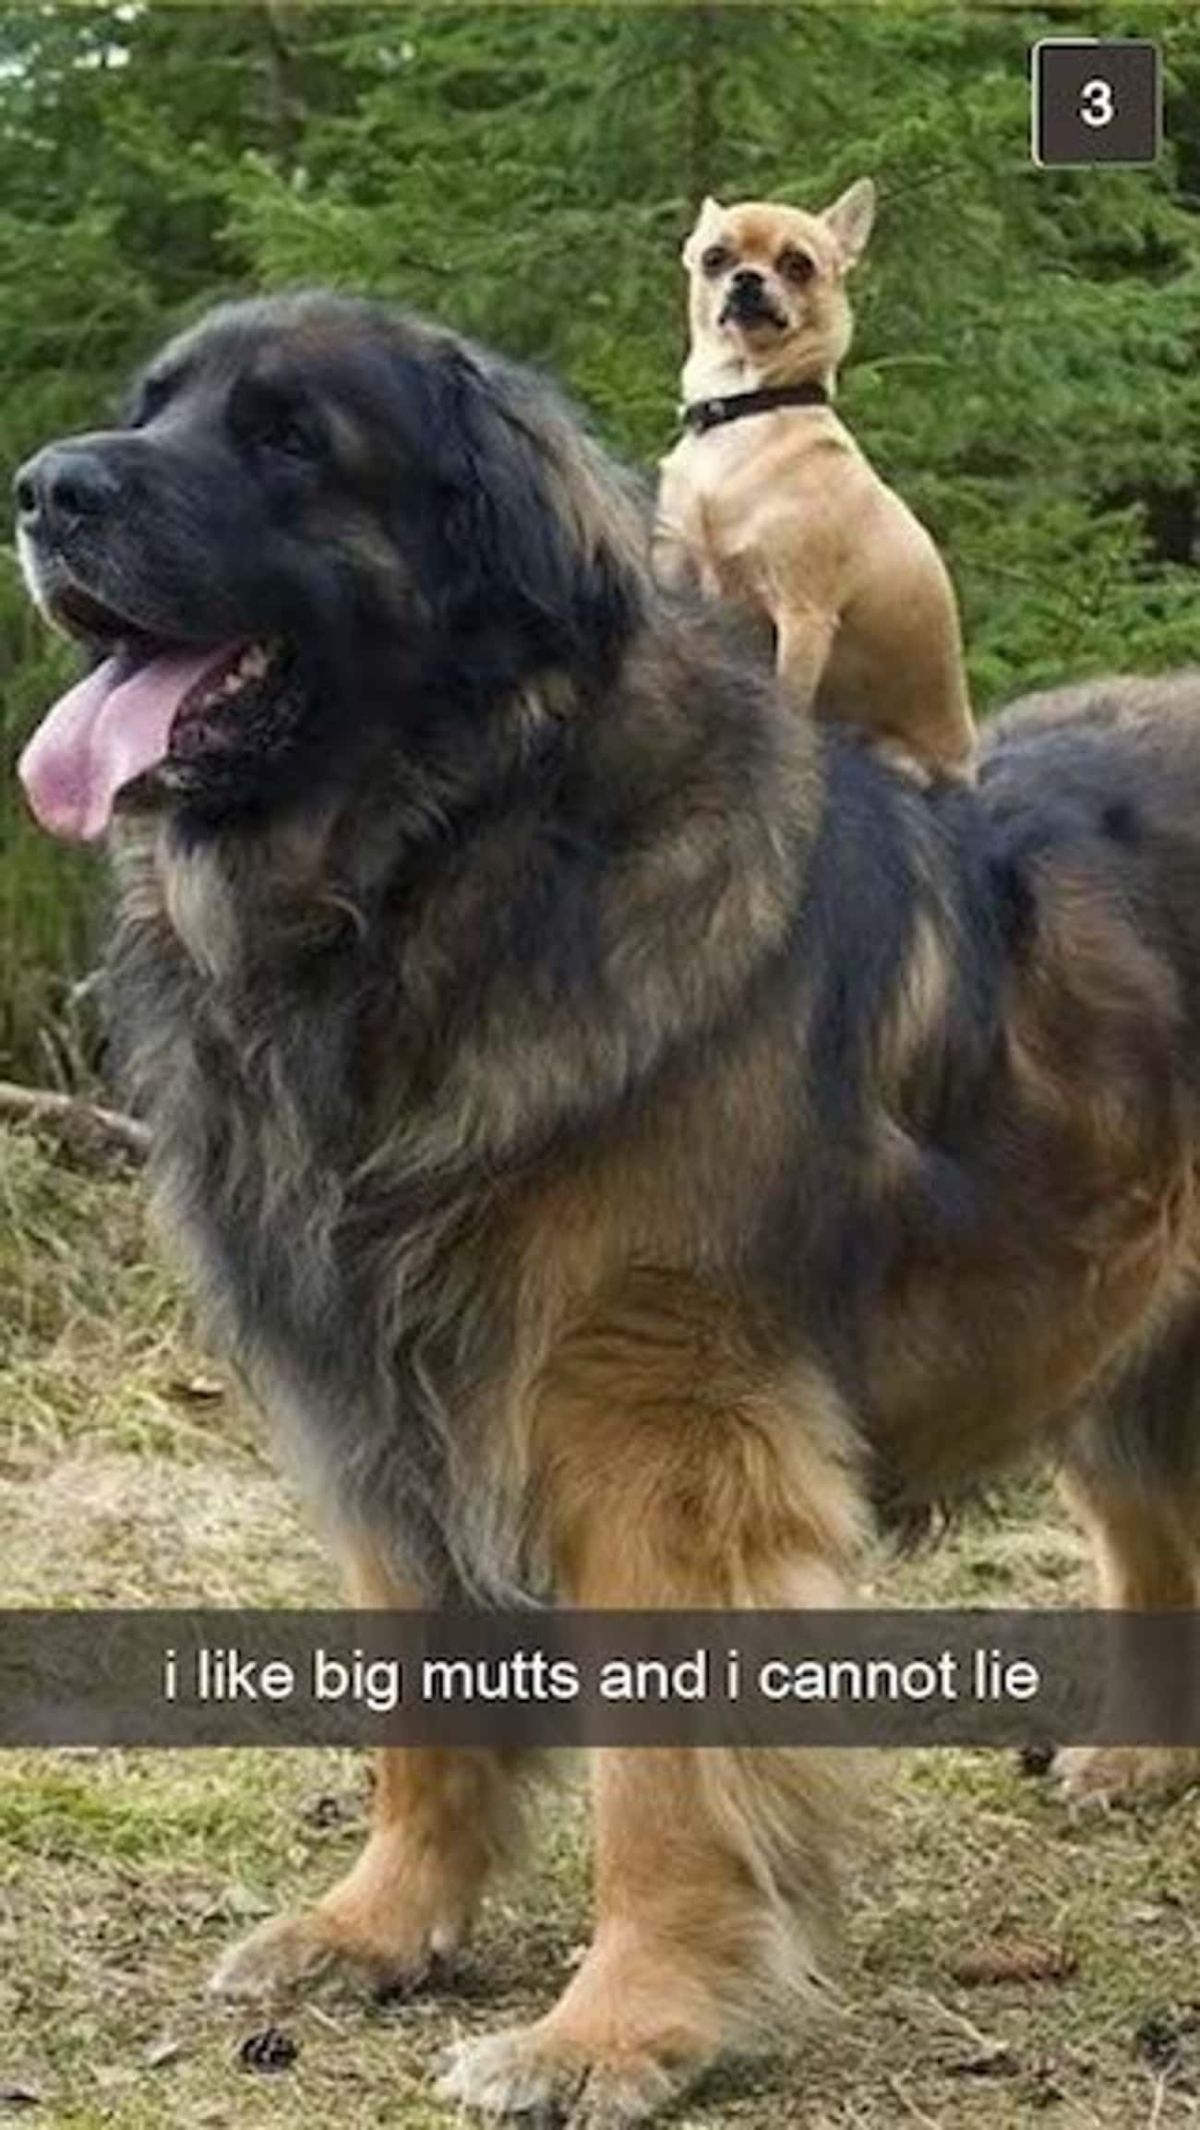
x=716 y=258
x=283 y=429
x=290 y=435
x=151 y=397
x=268 y=419
x=796 y=266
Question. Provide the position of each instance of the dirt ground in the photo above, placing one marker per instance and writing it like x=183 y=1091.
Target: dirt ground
x=128 y=1474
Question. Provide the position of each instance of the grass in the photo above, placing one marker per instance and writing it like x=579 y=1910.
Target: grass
x=128 y=1473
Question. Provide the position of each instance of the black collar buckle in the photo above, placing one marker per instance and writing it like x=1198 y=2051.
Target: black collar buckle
x=698 y=415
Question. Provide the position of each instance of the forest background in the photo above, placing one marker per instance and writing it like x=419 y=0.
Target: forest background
x=1026 y=368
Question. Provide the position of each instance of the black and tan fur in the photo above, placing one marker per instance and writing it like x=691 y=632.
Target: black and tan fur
x=633 y=1141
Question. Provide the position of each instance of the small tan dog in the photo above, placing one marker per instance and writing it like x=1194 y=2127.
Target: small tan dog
x=767 y=500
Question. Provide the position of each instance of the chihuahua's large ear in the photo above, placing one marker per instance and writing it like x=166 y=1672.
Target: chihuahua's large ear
x=710 y=211
x=850 y=219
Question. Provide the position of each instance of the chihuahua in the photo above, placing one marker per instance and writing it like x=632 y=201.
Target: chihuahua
x=768 y=502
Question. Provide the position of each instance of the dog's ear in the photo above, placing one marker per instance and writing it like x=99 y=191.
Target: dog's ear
x=850 y=219
x=711 y=211
x=540 y=546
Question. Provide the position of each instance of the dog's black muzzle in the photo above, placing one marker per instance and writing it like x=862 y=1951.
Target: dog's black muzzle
x=748 y=302
x=65 y=486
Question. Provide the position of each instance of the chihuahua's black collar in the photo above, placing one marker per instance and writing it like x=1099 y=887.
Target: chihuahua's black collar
x=702 y=414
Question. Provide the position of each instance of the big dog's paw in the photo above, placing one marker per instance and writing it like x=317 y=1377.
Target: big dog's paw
x=293 y=1954
x=540 y=2071
x=1124 y=1774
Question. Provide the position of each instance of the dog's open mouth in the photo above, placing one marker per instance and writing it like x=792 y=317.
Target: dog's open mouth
x=149 y=701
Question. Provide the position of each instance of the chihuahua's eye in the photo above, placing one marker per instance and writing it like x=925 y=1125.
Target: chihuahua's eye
x=716 y=258
x=796 y=266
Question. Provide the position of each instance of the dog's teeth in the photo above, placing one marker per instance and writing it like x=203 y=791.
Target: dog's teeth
x=251 y=666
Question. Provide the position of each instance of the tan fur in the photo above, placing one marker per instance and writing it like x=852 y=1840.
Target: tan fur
x=1146 y=1549
x=781 y=512
x=670 y=1473
x=1147 y=1553
x=441 y=1820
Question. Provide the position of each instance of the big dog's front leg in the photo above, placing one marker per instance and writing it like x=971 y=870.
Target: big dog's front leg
x=440 y=1821
x=679 y=1475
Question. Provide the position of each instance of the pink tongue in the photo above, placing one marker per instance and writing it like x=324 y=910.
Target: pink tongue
x=105 y=731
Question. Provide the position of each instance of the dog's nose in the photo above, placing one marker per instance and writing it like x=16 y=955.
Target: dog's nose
x=748 y=281
x=63 y=483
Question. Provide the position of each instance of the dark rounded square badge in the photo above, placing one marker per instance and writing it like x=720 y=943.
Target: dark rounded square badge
x=1096 y=101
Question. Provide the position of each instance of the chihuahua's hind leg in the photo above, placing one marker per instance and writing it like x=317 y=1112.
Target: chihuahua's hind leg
x=803 y=641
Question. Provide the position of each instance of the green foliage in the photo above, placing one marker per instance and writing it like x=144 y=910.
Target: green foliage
x=47 y=894
x=1025 y=365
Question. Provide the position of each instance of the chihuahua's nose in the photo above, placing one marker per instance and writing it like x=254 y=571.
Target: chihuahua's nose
x=748 y=281
x=62 y=484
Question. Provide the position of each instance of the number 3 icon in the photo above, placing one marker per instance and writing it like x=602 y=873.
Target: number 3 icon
x=1097 y=104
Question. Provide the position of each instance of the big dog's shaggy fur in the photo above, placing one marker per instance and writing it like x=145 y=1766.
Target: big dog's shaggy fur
x=632 y=1140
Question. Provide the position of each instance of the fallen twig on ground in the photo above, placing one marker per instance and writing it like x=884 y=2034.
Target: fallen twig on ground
x=87 y=1127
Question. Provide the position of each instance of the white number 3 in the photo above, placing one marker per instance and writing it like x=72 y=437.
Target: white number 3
x=1097 y=104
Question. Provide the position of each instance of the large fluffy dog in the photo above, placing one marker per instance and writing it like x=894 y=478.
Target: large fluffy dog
x=630 y=1139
